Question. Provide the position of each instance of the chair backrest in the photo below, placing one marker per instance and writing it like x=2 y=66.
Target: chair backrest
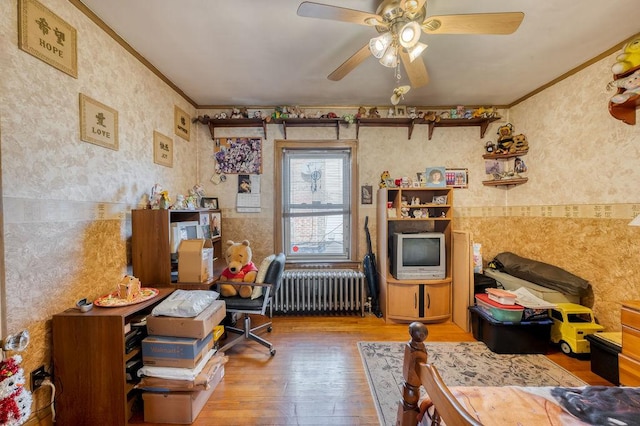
x=275 y=271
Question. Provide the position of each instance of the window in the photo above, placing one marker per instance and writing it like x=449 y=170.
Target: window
x=316 y=202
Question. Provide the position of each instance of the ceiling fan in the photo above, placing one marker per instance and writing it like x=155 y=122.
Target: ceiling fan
x=399 y=24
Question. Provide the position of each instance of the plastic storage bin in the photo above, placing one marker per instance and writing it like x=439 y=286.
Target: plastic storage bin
x=524 y=337
x=605 y=348
x=509 y=313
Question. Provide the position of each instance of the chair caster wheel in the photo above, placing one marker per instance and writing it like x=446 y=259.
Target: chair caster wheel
x=269 y=329
x=273 y=352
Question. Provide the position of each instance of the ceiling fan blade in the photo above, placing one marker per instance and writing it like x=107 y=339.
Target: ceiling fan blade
x=416 y=70
x=348 y=65
x=477 y=23
x=310 y=9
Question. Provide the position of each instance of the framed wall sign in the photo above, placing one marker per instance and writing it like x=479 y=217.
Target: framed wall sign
x=162 y=149
x=46 y=36
x=182 y=123
x=209 y=203
x=98 y=123
x=366 y=194
x=457 y=178
x=435 y=177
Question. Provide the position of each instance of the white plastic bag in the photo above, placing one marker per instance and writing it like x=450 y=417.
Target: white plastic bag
x=185 y=303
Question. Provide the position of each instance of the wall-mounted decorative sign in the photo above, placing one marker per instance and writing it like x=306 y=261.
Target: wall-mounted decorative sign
x=238 y=155
x=457 y=178
x=162 y=149
x=44 y=35
x=435 y=177
x=98 y=123
x=182 y=123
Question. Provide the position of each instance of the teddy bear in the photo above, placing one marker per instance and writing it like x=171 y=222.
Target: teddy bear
x=373 y=113
x=520 y=143
x=362 y=112
x=235 y=113
x=505 y=139
x=240 y=269
x=630 y=84
x=383 y=179
x=629 y=58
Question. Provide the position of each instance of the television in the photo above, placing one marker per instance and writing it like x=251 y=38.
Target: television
x=418 y=256
x=186 y=230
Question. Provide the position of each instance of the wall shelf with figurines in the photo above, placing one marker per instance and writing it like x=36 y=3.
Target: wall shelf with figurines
x=502 y=160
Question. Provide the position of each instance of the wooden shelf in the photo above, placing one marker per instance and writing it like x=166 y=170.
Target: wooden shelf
x=504 y=156
x=309 y=122
x=237 y=122
x=505 y=182
x=409 y=123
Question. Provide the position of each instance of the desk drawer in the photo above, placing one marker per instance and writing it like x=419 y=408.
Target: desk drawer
x=629 y=371
x=630 y=317
x=631 y=342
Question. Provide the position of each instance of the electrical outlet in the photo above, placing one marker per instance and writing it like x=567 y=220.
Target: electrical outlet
x=37 y=377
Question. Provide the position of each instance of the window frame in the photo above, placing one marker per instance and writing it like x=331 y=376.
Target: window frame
x=280 y=146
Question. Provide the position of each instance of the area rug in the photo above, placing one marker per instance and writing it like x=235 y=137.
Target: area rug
x=459 y=364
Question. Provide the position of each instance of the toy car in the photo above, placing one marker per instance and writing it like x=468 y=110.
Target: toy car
x=571 y=323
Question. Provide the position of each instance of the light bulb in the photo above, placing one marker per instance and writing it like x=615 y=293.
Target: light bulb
x=410 y=34
x=415 y=51
x=378 y=45
x=390 y=58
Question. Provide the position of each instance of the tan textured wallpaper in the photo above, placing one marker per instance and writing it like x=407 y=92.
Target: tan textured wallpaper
x=66 y=203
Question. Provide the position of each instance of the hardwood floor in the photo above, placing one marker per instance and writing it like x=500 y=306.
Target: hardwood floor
x=316 y=376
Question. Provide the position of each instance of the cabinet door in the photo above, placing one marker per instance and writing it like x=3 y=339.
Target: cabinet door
x=403 y=301
x=437 y=301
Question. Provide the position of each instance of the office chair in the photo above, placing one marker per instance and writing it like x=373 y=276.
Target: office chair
x=247 y=306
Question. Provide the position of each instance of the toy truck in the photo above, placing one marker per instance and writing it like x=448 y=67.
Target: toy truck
x=571 y=324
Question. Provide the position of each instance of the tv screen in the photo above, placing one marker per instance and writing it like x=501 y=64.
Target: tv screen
x=419 y=256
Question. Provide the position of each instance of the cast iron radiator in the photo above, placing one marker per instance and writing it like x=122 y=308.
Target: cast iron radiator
x=321 y=291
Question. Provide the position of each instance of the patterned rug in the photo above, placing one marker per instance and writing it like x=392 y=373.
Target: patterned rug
x=459 y=364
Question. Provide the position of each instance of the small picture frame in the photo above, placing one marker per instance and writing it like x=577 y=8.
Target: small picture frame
x=457 y=178
x=439 y=199
x=400 y=111
x=181 y=123
x=98 y=123
x=435 y=177
x=209 y=203
x=366 y=194
x=162 y=149
x=216 y=223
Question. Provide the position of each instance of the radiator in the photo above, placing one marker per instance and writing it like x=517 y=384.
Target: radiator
x=310 y=291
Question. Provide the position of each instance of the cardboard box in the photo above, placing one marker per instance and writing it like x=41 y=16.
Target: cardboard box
x=177 y=407
x=198 y=327
x=181 y=352
x=195 y=261
x=203 y=381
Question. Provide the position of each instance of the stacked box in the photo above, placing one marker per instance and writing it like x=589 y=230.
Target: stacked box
x=198 y=327
x=180 y=352
x=524 y=337
x=178 y=407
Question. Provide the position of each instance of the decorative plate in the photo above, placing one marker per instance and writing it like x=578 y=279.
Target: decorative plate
x=112 y=300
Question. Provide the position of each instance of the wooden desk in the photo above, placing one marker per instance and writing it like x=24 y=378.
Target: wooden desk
x=629 y=359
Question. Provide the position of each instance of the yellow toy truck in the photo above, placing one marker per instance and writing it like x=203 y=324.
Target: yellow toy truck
x=571 y=323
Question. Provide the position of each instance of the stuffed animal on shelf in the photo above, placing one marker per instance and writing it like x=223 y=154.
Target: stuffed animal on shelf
x=240 y=269
x=630 y=84
x=505 y=139
x=520 y=143
x=383 y=179
x=373 y=113
x=629 y=58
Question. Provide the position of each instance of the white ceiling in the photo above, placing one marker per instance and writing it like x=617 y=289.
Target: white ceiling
x=260 y=53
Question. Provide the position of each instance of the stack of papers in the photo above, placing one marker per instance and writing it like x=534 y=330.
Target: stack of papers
x=525 y=298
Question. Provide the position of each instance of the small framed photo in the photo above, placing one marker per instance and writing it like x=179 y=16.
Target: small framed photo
x=457 y=178
x=162 y=149
x=216 y=222
x=439 y=199
x=182 y=123
x=435 y=177
x=98 y=123
x=366 y=194
x=209 y=203
x=400 y=111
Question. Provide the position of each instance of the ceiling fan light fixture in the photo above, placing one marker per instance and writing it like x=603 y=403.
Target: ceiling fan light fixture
x=416 y=51
x=390 y=57
x=431 y=24
x=379 y=45
x=409 y=34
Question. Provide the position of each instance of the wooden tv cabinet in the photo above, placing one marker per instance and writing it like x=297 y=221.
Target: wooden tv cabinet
x=89 y=362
